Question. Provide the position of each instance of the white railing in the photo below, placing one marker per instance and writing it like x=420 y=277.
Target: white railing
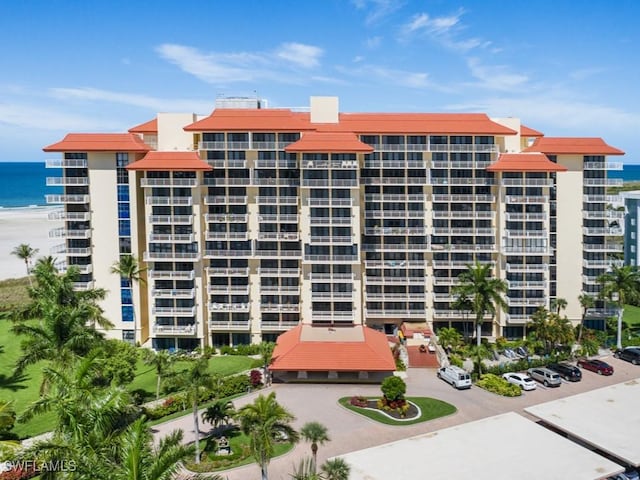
x=280 y=272
x=230 y=289
x=174 y=329
x=231 y=272
x=532 y=267
x=224 y=217
x=174 y=311
x=66 y=163
x=463 y=198
x=227 y=253
x=168 y=182
x=330 y=202
x=173 y=293
x=277 y=200
x=526 y=182
x=171 y=219
x=67 y=198
x=225 y=200
x=279 y=307
x=73 y=216
x=526 y=199
x=526 y=216
x=172 y=274
x=159 y=256
x=169 y=201
x=213 y=236
x=172 y=237
x=55 y=181
x=466 y=214
x=229 y=325
x=279 y=218
x=330 y=258
x=275 y=325
x=278 y=236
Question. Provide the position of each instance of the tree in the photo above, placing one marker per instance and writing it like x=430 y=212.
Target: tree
x=336 y=469
x=316 y=434
x=162 y=361
x=551 y=329
x=25 y=252
x=586 y=302
x=393 y=388
x=621 y=285
x=220 y=412
x=129 y=270
x=558 y=304
x=263 y=421
x=484 y=292
x=449 y=337
x=463 y=304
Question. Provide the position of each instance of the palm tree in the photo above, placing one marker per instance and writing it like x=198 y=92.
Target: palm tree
x=558 y=304
x=129 y=270
x=7 y=417
x=484 y=292
x=621 y=285
x=162 y=361
x=336 y=469
x=316 y=433
x=263 y=421
x=218 y=413
x=25 y=252
x=196 y=379
x=586 y=302
x=463 y=304
x=448 y=337
x=306 y=471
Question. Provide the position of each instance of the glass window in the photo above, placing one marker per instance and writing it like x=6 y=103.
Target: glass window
x=123 y=193
x=127 y=313
x=124 y=228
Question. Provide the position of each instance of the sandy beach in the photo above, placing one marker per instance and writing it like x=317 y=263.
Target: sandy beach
x=24 y=225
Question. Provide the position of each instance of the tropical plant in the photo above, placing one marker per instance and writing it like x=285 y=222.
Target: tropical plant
x=620 y=285
x=557 y=305
x=484 y=292
x=219 y=413
x=336 y=469
x=316 y=434
x=449 y=338
x=7 y=417
x=586 y=302
x=463 y=304
x=264 y=421
x=25 y=252
x=162 y=361
x=393 y=388
x=129 y=270
x=306 y=471
x=551 y=329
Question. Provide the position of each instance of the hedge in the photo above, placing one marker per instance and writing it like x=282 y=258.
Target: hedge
x=498 y=385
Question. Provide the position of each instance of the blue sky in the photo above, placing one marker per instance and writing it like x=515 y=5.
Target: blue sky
x=566 y=68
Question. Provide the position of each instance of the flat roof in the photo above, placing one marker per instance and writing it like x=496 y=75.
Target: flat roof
x=607 y=418
x=505 y=446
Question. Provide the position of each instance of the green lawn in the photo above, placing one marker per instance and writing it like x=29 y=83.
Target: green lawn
x=25 y=390
x=431 y=408
x=631 y=316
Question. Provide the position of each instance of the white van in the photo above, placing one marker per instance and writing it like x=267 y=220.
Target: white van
x=457 y=377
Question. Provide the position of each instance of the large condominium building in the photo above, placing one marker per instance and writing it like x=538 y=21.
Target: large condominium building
x=252 y=221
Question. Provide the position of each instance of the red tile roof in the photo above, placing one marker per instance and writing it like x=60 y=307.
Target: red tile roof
x=524 y=162
x=230 y=119
x=273 y=120
x=147 y=127
x=293 y=354
x=329 y=142
x=168 y=161
x=573 y=146
x=529 y=132
x=99 y=142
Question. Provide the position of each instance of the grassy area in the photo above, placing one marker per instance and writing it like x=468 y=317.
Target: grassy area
x=26 y=389
x=13 y=292
x=631 y=316
x=431 y=408
x=239 y=443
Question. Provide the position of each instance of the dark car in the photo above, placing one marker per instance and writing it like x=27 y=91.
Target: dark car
x=566 y=371
x=630 y=354
x=597 y=366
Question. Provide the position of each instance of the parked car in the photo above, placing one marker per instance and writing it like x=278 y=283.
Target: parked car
x=627 y=475
x=457 y=377
x=630 y=354
x=524 y=381
x=545 y=376
x=566 y=371
x=597 y=366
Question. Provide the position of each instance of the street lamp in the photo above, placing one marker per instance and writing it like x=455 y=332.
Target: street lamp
x=615 y=296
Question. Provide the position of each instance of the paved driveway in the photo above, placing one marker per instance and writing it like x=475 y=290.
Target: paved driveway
x=350 y=432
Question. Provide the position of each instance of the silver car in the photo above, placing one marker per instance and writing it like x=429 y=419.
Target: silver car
x=547 y=377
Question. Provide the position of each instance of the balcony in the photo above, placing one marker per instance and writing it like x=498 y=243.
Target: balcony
x=159 y=329
x=603 y=166
x=395 y=231
x=173 y=293
x=168 y=182
x=172 y=275
x=463 y=198
x=57 y=181
x=214 y=236
x=174 y=311
x=603 y=215
x=526 y=302
x=527 y=182
x=461 y=181
x=526 y=217
x=517 y=319
x=225 y=200
x=231 y=163
x=227 y=272
x=72 y=252
x=161 y=201
x=286 y=164
x=603 y=182
x=224 y=217
x=227 y=253
x=329 y=221
x=421 y=164
x=228 y=289
x=526 y=285
x=67 y=198
x=82 y=269
x=288 y=289
x=279 y=307
x=526 y=234
x=602 y=263
x=394 y=214
x=383 y=296
x=330 y=277
x=279 y=272
x=233 y=181
x=393 y=180
x=329 y=202
x=444 y=281
x=278 y=326
x=172 y=238
x=165 y=256
x=224 y=146
x=392 y=313
x=463 y=231
x=279 y=218
x=467 y=247
x=606 y=247
x=291 y=236
x=332 y=317
x=284 y=200
x=590 y=280
x=64 y=232
x=470 y=214
x=526 y=199
x=228 y=326
x=460 y=164
x=83 y=286
x=331 y=258
x=595 y=198
x=330 y=240
x=70 y=216
x=386 y=280
x=525 y=250
x=601 y=231
x=229 y=307
x=449 y=264
x=532 y=267
x=65 y=163
x=331 y=295
x=171 y=219
x=260 y=252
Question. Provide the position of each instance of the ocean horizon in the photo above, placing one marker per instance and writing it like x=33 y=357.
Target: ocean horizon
x=23 y=184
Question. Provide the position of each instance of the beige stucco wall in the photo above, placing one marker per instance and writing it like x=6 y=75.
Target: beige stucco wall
x=324 y=109
x=104 y=235
x=510 y=143
x=569 y=226
x=171 y=134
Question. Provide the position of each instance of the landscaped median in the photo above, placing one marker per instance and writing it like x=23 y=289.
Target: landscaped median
x=498 y=385
x=429 y=409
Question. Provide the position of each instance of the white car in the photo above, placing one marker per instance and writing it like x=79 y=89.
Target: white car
x=524 y=381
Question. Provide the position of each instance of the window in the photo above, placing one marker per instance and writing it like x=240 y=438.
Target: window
x=129 y=336
x=124 y=228
x=127 y=313
x=123 y=193
x=123 y=210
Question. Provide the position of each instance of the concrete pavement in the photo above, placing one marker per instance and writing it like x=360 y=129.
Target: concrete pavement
x=350 y=432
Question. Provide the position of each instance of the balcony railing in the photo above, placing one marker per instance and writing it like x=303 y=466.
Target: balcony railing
x=526 y=199
x=159 y=329
x=174 y=311
x=526 y=217
x=172 y=238
x=67 y=198
x=280 y=272
x=284 y=200
x=173 y=293
x=225 y=200
x=527 y=182
x=66 y=163
x=278 y=326
x=168 y=182
x=601 y=231
x=607 y=247
x=393 y=313
x=526 y=302
x=213 y=236
x=232 y=325
x=229 y=307
x=331 y=258
x=159 y=201
x=532 y=267
x=466 y=214
x=172 y=275
x=526 y=285
x=55 y=181
x=329 y=202
x=463 y=198
x=603 y=166
x=171 y=219
x=278 y=236
x=279 y=307
x=227 y=253
x=230 y=289
x=223 y=217
x=227 y=272
x=70 y=216
x=163 y=256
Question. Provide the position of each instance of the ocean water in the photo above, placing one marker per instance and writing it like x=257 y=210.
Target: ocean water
x=23 y=184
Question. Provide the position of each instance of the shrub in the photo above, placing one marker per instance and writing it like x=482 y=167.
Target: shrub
x=456 y=361
x=255 y=377
x=18 y=474
x=393 y=388
x=400 y=366
x=498 y=385
x=359 y=401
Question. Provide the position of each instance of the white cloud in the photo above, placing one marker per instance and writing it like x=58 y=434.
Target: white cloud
x=433 y=25
x=299 y=54
x=373 y=42
x=133 y=99
x=495 y=77
x=390 y=76
x=377 y=10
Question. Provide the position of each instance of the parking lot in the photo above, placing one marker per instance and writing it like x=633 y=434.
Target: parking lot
x=350 y=432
